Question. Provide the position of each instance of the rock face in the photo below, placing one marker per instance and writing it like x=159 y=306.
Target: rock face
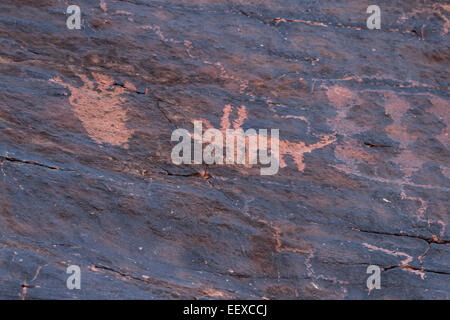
x=86 y=176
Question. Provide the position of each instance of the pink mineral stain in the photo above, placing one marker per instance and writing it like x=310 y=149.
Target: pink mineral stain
x=103 y=5
x=99 y=106
x=404 y=264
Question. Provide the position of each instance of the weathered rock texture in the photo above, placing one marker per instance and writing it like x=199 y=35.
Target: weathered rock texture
x=86 y=176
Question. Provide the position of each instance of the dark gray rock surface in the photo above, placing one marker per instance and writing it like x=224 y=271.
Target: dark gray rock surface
x=86 y=177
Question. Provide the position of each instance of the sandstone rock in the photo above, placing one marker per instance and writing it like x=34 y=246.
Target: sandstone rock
x=86 y=177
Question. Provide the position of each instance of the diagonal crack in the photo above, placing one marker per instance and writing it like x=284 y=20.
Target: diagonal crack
x=30 y=162
x=201 y=174
x=414 y=269
x=120 y=273
x=374 y=145
x=118 y=84
x=164 y=112
x=428 y=240
x=144 y=279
